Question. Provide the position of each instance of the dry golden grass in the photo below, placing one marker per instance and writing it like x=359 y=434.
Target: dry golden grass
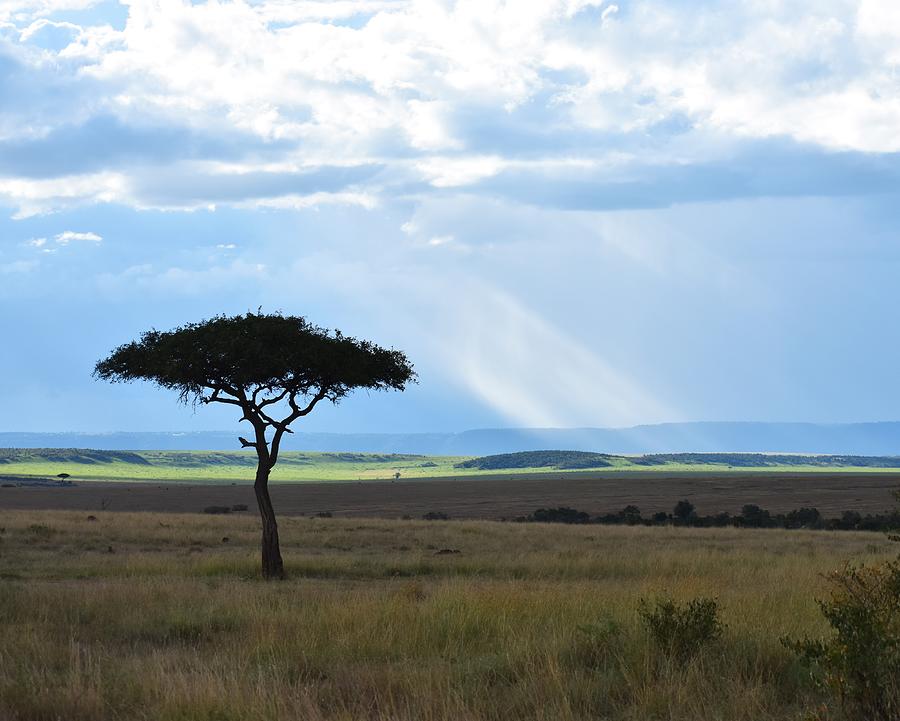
x=372 y=624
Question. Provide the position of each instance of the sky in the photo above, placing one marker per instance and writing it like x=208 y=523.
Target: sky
x=566 y=212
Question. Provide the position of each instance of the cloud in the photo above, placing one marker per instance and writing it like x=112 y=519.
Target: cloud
x=356 y=101
x=69 y=236
x=193 y=185
x=54 y=37
x=33 y=197
x=106 y=142
x=764 y=168
x=294 y=201
x=444 y=172
x=27 y=10
x=569 y=212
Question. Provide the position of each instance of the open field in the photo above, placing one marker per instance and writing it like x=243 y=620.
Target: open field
x=150 y=616
x=294 y=466
x=492 y=497
x=215 y=466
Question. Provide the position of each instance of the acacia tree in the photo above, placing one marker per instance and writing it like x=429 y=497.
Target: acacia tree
x=274 y=368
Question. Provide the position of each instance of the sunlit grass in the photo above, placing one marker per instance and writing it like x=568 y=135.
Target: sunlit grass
x=296 y=466
x=201 y=466
x=150 y=616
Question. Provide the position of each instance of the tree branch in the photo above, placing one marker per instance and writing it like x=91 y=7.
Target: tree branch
x=216 y=398
x=296 y=412
x=247 y=444
x=274 y=399
x=257 y=405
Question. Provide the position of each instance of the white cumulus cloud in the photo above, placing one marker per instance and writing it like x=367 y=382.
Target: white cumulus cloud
x=454 y=94
x=68 y=236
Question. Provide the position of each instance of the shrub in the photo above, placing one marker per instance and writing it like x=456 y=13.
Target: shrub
x=860 y=663
x=217 y=509
x=755 y=517
x=804 y=518
x=683 y=511
x=436 y=516
x=559 y=515
x=720 y=519
x=681 y=630
x=631 y=515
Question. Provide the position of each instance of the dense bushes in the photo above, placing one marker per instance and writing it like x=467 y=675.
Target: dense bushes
x=751 y=516
x=680 y=630
x=538 y=459
x=860 y=663
x=559 y=515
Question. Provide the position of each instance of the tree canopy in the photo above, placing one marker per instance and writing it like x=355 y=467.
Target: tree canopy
x=256 y=355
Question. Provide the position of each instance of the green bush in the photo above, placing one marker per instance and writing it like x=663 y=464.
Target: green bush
x=860 y=663
x=680 y=630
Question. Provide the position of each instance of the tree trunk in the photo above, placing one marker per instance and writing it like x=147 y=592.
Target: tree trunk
x=272 y=565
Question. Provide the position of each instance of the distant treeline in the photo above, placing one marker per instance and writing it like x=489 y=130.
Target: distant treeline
x=754 y=460
x=539 y=459
x=569 y=460
x=69 y=455
x=551 y=459
x=186 y=459
x=751 y=516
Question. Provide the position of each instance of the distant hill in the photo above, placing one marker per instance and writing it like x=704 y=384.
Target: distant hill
x=573 y=460
x=859 y=439
x=563 y=460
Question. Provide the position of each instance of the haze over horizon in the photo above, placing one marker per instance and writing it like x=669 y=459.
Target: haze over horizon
x=861 y=439
x=570 y=213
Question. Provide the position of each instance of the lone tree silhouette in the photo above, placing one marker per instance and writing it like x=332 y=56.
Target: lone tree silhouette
x=269 y=366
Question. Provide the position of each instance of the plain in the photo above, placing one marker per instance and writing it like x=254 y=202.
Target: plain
x=152 y=616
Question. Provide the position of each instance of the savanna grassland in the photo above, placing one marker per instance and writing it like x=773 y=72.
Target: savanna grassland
x=298 y=466
x=153 y=616
x=217 y=466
